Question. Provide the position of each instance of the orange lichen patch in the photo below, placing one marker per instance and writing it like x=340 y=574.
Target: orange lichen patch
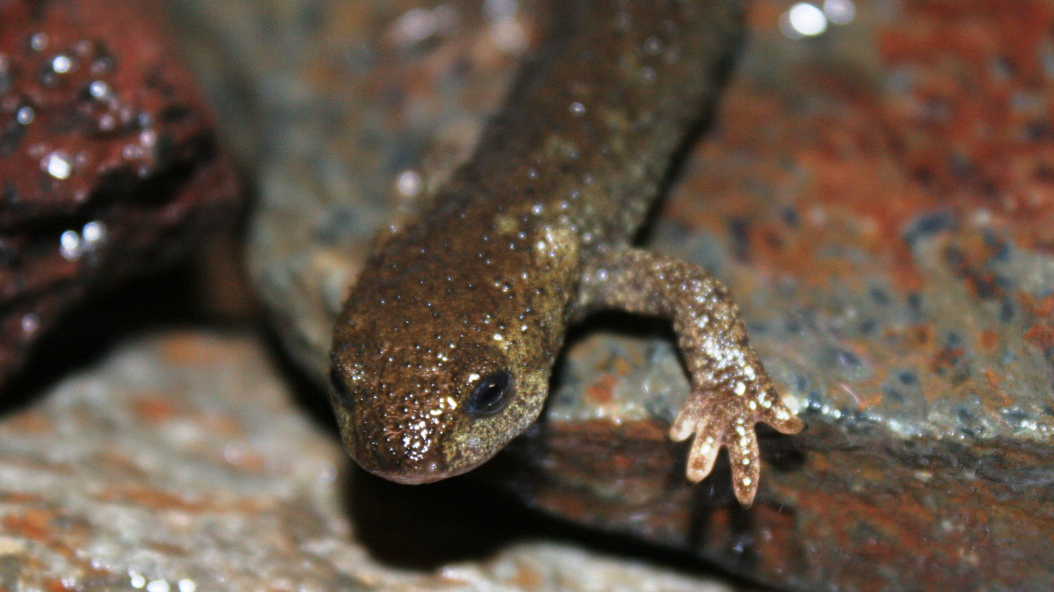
x=916 y=335
x=158 y=499
x=959 y=123
x=116 y=462
x=995 y=393
x=946 y=358
x=223 y=425
x=527 y=578
x=16 y=497
x=188 y=348
x=601 y=392
x=993 y=379
x=33 y=524
x=167 y=549
x=30 y=422
x=151 y=498
x=1041 y=312
x=1042 y=308
x=1042 y=334
x=989 y=340
x=153 y=409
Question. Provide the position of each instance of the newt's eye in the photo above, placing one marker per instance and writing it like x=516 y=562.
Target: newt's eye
x=339 y=389
x=491 y=395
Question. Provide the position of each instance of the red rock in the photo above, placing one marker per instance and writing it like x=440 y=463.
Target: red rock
x=108 y=157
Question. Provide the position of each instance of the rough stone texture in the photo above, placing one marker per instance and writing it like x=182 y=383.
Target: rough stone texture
x=108 y=163
x=181 y=463
x=879 y=199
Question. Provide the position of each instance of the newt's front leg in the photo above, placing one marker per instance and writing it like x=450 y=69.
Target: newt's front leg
x=730 y=389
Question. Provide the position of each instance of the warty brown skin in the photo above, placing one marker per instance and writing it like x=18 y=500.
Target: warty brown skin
x=444 y=349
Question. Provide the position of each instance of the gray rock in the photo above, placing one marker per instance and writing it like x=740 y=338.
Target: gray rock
x=182 y=463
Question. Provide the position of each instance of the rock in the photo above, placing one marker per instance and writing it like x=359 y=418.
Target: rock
x=181 y=463
x=108 y=158
x=879 y=199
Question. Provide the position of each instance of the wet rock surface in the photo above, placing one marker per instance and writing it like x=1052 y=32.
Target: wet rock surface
x=108 y=158
x=878 y=197
x=180 y=462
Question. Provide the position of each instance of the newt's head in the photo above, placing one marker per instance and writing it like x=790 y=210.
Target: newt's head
x=420 y=412
x=436 y=366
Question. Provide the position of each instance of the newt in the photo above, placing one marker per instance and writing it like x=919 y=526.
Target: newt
x=444 y=349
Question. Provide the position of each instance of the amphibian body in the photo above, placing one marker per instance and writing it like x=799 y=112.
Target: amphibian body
x=444 y=350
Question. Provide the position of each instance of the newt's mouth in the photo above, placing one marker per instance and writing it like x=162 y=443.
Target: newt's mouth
x=419 y=475
x=411 y=472
x=409 y=467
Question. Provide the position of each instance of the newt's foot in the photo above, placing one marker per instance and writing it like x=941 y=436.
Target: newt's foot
x=726 y=418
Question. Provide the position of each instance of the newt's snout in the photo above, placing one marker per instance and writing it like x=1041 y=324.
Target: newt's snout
x=405 y=451
x=427 y=469
x=425 y=424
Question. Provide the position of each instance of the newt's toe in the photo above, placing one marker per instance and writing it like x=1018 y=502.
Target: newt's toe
x=715 y=421
x=705 y=444
x=746 y=461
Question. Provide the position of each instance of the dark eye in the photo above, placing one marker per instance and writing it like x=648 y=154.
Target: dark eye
x=339 y=390
x=491 y=395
